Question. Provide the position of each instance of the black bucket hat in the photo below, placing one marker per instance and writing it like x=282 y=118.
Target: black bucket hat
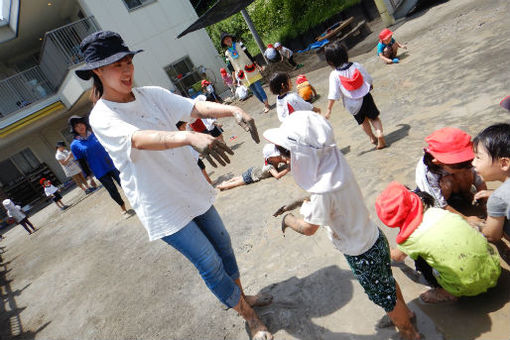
x=223 y=36
x=74 y=119
x=100 y=49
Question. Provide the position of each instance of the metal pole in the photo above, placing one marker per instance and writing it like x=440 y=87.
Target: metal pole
x=253 y=31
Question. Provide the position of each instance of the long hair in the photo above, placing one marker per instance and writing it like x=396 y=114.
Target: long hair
x=97 y=89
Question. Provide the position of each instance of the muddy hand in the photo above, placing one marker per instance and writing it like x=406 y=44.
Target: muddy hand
x=248 y=124
x=216 y=151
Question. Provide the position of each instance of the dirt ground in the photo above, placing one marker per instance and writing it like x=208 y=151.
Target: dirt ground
x=89 y=274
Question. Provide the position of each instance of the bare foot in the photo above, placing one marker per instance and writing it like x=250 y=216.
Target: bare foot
x=259 y=300
x=381 y=143
x=373 y=140
x=266 y=109
x=258 y=330
x=437 y=295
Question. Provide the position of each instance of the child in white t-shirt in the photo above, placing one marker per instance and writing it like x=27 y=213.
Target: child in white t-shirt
x=15 y=212
x=352 y=83
x=287 y=102
x=337 y=204
x=52 y=191
x=272 y=159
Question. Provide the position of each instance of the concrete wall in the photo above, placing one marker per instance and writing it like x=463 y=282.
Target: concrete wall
x=154 y=28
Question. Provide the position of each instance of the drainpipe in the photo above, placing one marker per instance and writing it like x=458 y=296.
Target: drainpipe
x=387 y=19
x=253 y=31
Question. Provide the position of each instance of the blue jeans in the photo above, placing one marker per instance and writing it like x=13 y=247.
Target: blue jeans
x=258 y=91
x=206 y=243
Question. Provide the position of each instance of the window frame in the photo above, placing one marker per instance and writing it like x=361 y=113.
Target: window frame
x=143 y=3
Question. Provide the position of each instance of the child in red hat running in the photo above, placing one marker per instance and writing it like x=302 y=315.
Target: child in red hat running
x=227 y=80
x=387 y=47
x=52 y=191
x=446 y=173
x=352 y=83
x=305 y=89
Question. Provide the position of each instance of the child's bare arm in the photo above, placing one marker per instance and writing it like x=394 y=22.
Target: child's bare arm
x=279 y=174
x=386 y=60
x=483 y=194
x=492 y=229
x=404 y=46
x=397 y=255
x=316 y=109
x=298 y=225
x=331 y=102
x=313 y=91
x=288 y=207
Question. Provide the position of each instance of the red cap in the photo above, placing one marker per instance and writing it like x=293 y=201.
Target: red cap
x=270 y=46
x=385 y=34
x=42 y=180
x=223 y=71
x=397 y=207
x=505 y=103
x=301 y=79
x=205 y=82
x=450 y=145
x=353 y=83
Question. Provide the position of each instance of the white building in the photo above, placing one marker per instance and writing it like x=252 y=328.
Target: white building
x=39 y=49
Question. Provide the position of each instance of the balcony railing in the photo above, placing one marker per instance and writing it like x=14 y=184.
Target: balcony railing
x=61 y=48
x=23 y=89
x=59 y=51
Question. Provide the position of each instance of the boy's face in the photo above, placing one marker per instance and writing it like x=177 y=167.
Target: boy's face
x=490 y=169
x=46 y=183
x=387 y=40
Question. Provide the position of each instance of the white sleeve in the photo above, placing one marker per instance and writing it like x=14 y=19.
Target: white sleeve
x=364 y=73
x=316 y=211
x=175 y=106
x=60 y=156
x=298 y=103
x=112 y=132
x=334 y=87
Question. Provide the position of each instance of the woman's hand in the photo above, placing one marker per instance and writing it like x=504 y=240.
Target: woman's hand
x=210 y=148
x=247 y=123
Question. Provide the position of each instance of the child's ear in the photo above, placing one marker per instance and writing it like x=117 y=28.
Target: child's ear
x=504 y=163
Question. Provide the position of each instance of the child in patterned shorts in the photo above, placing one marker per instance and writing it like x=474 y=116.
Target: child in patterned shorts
x=307 y=140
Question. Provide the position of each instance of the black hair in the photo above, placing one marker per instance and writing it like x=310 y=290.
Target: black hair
x=438 y=170
x=278 y=83
x=336 y=54
x=180 y=123
x=97 y=89
x=495 y=139
x=60 y=143
x=284 y=152
x=427 y=199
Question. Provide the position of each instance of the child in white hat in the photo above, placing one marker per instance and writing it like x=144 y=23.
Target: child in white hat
x=336 y=203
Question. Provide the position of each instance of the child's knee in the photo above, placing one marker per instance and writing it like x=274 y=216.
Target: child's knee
x=388 y=52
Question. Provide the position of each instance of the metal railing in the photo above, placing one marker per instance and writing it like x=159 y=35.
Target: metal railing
x=23 y=89
x=59 y=51
x=61 y=48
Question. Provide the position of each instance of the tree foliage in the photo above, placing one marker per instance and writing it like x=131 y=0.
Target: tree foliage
x=278 y=20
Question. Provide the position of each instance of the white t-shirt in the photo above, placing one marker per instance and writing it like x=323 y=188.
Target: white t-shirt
x=16 y=213
x=344 y=215
x=166 y=188
x=290 y=102
x=335 y=93
x=287 y=53
x=71 y=168
x=50 y=190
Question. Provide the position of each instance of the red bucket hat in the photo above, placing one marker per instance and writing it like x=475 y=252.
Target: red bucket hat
x=385 y=34
x=205 y=82
x=450 y=145
x=301 y=79
x=270 y=46
x=397 y=207
x=353 y=83
x=223 y=71
x=42 y=180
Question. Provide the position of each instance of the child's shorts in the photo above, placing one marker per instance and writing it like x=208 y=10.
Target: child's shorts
x=251 y=175
x=216 y=132
x=57 y=196
x=368 y=110
x=373 y=271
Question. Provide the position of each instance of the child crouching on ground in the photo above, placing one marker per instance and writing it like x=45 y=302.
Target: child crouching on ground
x=337 y=204
x=272 y=158
x=492 y=162
x=305 y=89
x=52 y=191
x=287 y=102
x=352 y=83
x=14 y=211
x=387 y=47
x=455 y=259
x=445 y=172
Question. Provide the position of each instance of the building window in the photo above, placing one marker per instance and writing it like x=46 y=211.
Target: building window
x=185 y=77
x=134 y=4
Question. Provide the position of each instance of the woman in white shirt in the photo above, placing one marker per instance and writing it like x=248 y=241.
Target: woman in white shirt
x=159 y=175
